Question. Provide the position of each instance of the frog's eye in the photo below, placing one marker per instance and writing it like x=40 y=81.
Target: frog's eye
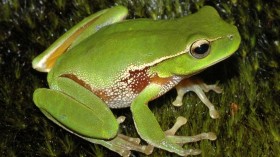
x=200 y=48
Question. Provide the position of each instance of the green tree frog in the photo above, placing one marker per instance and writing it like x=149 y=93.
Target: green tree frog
x=107 y=62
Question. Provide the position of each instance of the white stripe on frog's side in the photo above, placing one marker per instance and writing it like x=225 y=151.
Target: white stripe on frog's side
x=187 y=50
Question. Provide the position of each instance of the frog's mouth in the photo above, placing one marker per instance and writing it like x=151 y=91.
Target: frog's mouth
x=194 y=74
x=190 y=75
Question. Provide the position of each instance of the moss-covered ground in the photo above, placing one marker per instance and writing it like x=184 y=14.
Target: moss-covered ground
x=249 y=105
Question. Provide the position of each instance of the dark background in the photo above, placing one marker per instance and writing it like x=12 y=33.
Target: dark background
x=249 y=105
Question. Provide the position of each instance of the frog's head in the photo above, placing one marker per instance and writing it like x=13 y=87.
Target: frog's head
x=208 y=41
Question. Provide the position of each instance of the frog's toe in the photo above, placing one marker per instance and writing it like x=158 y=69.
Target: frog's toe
x=131 y=143
x=193 y=151
x=121 y=119
x=178 y=101
x=217 y=89
x=130 y=139
x=180 y=121
x=211 y=136
x=148 y=149
x=124 y=152
x=213 y=112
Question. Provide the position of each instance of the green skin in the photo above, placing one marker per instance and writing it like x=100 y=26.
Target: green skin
x=118 y=64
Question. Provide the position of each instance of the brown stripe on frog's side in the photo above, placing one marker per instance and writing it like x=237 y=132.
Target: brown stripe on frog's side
x=81 y=82
x=77 y=80
x=137 y=79
x=124 y=91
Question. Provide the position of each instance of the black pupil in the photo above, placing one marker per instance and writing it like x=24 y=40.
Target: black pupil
x=201 y=49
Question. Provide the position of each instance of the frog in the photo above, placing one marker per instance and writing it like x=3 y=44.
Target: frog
x=106 y=62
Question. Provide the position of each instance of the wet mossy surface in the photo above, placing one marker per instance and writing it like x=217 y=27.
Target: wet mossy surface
x=249 y=105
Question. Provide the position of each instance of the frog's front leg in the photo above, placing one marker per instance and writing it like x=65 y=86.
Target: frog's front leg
x=149 y=129
x=82 y=113
x=196 y=85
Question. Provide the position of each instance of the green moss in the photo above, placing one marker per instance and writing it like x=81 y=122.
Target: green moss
x=250 y=79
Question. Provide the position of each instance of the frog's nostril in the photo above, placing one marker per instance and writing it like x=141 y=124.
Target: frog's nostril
x=230 y=37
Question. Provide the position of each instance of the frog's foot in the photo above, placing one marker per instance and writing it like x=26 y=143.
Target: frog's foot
x=197 y=86
x=181 y=140
x=180 y=121
x=123 y=144
x=130 y=143
x=136 y=141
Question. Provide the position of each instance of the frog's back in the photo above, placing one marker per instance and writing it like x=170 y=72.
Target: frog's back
x=103 y=57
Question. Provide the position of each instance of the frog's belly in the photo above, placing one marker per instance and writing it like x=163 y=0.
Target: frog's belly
x=121 y=100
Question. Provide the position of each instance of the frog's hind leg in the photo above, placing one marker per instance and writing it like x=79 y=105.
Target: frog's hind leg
x=82 y=113
x=81 y=31
x=197 y=86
